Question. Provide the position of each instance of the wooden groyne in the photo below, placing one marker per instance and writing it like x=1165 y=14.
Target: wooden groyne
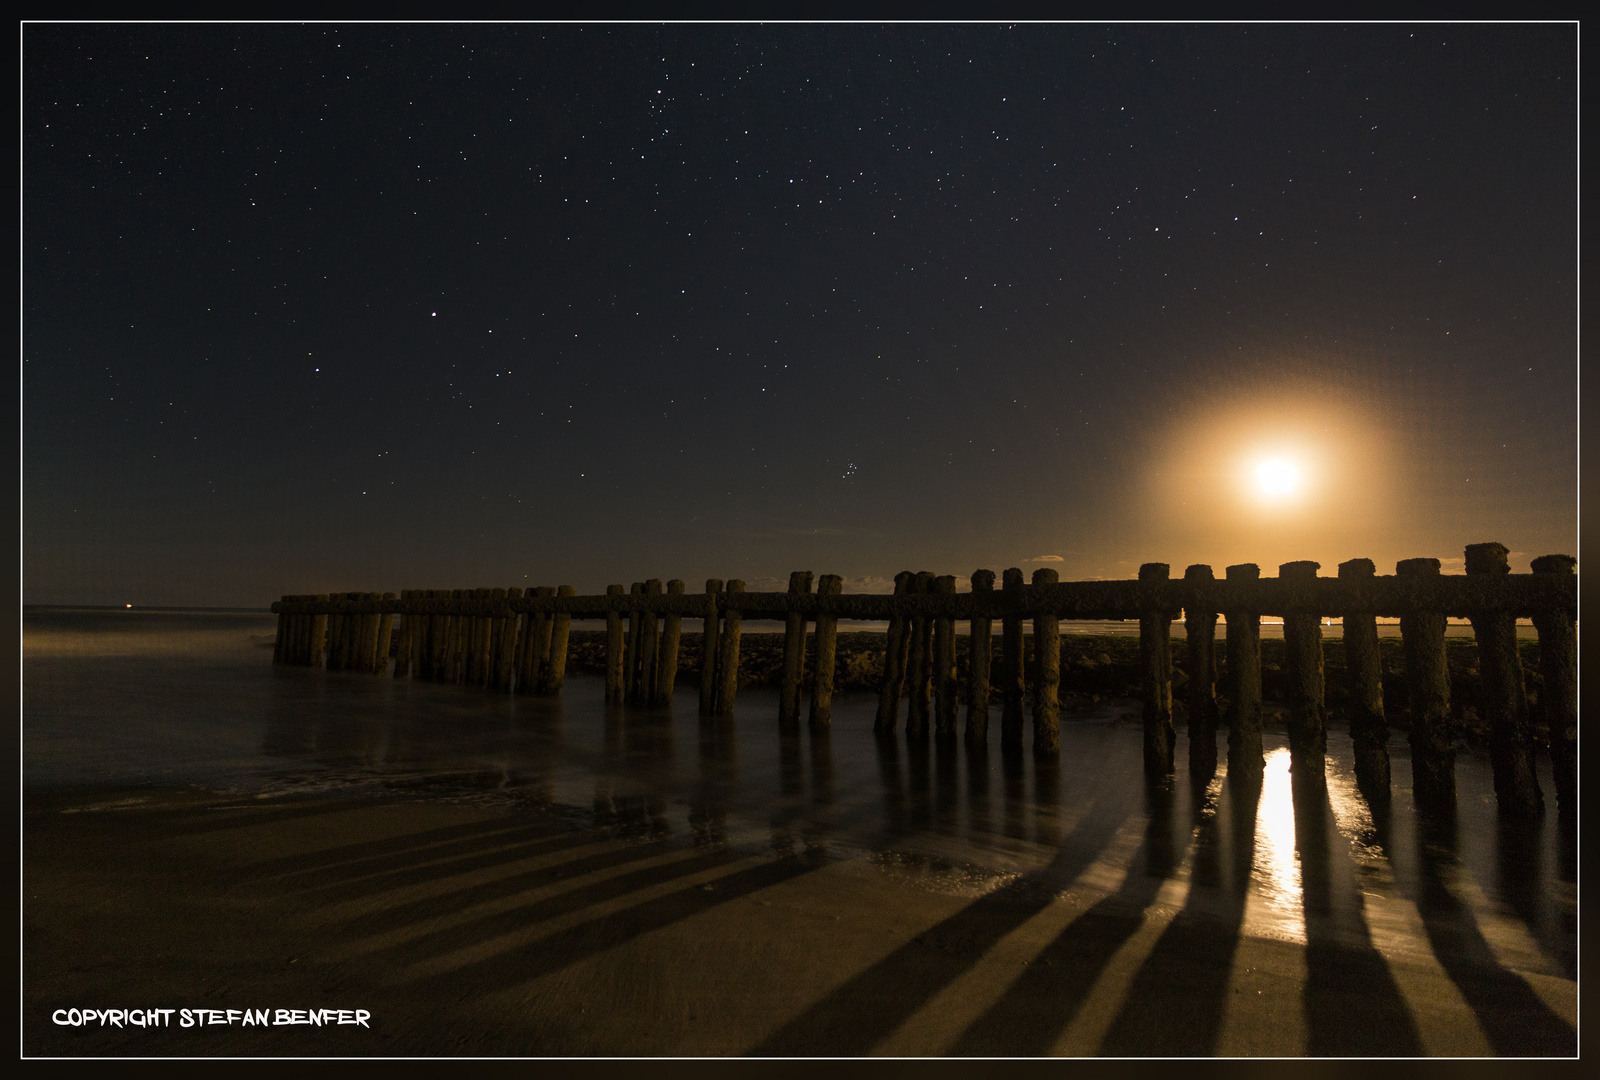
x=515 y=641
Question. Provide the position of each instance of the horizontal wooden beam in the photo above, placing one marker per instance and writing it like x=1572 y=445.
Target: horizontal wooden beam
x=1458 y=596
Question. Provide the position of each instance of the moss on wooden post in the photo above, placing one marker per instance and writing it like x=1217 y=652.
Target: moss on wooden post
x=1012 y=686
x=918 y=665
x=708 y=648
x=1200 y=641
x=1558 y=694
x=944 y=664
x=1047 y=687
x=1505 y=704
x=1303 y=668
x=728 y=651
x=614 y=651
x=894 y=661
x=1363 y=669
x=667 y=665
x=823 y=662
x=1433 y=752
x=794 y=652
x=980 y=654
x=554 y=670
x=1155 y=661
x=1243 y=682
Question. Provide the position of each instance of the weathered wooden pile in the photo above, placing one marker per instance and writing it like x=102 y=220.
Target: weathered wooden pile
x=515 y=641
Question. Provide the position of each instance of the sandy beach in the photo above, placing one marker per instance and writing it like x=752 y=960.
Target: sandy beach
x=505 y=878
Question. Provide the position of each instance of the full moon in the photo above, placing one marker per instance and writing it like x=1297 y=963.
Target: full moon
x=1277 y=479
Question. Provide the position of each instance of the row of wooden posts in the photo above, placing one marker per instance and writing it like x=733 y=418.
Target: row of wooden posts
x=511 y=640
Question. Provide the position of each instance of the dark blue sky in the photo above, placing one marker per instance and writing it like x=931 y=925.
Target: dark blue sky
x=369 y=307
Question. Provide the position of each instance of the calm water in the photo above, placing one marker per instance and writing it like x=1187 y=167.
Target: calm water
x=139 y=698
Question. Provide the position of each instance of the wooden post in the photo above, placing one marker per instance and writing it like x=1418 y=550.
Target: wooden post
x=535 y=643
x=319 y=634
x=1505 y=704
x=472 y=659
x=345 y=636
x=294 y=632
x=330 y=642
x=438 y=639
x=650 y=647
x=483 y=654
x=630 y=662
x=354 y=633
x=290 y=649
x=1558 y=697
x=1245 y=757
x=1433 y=752
x=505 y=653
x=355 y=636
x=728 y=651
x=615 y=661
x=823 y=663
x=1047 y=692
x=422 y=638
x=667 y=666
x=554 y=670
x=1200 y=640
x=1155 y=657
x=284 y=651
x=794 y=652
x=1363 y=667
x=494 y=635
x=402 y=647
x=1302 y=653
x=894 y=661
x=372 y=629
x=980 y=651
x=385 y=630
x=432 y=664
x=455 y=644
x=708 y=649
x=944 y=664
x=335 y=636
x=421 y=631
x=1012 y=686
x=283 y=628
x=918 y=660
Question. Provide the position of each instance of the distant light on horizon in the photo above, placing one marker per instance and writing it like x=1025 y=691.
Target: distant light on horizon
x=1278 y=479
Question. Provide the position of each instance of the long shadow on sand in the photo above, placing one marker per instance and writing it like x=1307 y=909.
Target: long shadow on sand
x=859 y=1014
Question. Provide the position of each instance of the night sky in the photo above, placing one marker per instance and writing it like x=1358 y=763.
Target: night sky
x=380 y=307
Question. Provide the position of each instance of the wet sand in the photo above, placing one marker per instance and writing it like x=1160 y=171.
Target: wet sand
x=557 y=879
x=473 y=928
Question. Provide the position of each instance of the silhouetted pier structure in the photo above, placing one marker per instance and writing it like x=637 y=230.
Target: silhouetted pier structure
x=516 y=641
